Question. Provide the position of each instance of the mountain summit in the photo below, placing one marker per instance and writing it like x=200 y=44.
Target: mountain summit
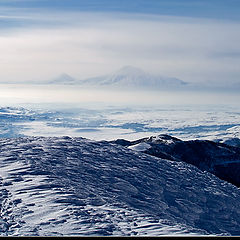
x=63 y=79
x=132 y=77
x=130 y=71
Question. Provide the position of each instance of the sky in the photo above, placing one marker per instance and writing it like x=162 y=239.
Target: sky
x=194 y=40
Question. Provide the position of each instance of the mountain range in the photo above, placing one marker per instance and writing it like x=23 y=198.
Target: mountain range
x=132 y=78
x=129 y=77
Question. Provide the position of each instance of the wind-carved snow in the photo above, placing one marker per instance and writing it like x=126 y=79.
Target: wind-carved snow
x=141 y=147
x=73 y=186
x=221 y=159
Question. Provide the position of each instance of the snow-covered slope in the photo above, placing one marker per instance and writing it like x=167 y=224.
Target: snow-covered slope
x=220 y=159
x=130 y=77
x=234 y=141
x=73 y=186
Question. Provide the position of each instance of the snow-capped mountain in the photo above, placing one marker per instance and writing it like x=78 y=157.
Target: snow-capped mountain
x=64 y=79
x=77 y=187
x=134 y=78
x=223 y=160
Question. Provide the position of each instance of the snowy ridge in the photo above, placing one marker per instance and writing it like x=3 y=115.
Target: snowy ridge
x=141 y=147
x=230 y=141
x=221 y=159
x=73 y=186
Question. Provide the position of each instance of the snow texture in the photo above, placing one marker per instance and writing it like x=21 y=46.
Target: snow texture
x=229 y=141
x=140 y=147
x=223 y=160
x=77 y=187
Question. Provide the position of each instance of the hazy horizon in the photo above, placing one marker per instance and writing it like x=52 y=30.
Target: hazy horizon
x=41 y=39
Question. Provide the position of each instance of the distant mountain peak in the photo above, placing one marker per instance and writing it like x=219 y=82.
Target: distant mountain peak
x=130 y=70
x=127 y=77
x=66 y=76
x=134 y=78
x=63 y=78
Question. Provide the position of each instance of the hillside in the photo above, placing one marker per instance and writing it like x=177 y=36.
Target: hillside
x=221 y=159
x=74 y=186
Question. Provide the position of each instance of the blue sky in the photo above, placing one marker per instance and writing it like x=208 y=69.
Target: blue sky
x=220 y=9
x=195 y=40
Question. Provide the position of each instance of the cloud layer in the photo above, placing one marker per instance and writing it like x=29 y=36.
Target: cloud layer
x=41 y=45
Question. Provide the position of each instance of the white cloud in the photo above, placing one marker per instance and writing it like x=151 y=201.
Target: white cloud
x=85 y=45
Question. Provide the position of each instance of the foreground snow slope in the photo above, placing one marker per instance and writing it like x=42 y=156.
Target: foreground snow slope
x=73 y=186
x=221 y=159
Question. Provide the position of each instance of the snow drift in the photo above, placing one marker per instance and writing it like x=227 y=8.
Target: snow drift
x=74 y=186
